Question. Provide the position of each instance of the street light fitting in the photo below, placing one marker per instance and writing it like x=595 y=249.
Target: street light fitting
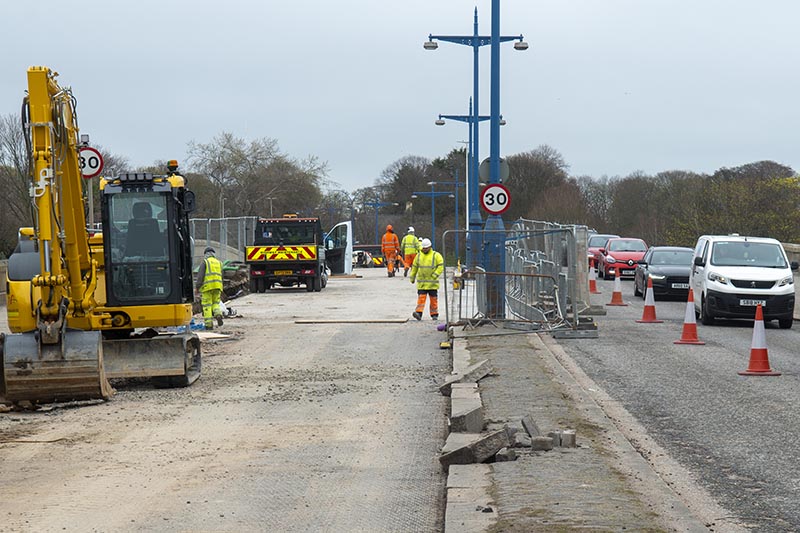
x=439 y=122
x=430 y=45
x=520 y=45
x=502 y=122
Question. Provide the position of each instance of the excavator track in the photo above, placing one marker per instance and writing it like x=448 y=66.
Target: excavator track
x=41 y=373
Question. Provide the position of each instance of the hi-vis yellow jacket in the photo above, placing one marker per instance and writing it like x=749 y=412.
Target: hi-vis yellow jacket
x=410 y=244
x=426 y=269
x=212 y=275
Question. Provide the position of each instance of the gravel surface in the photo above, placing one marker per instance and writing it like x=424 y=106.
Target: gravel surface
x=292 y=427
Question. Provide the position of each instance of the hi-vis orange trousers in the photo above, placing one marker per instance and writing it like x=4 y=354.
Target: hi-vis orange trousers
x=422 y=296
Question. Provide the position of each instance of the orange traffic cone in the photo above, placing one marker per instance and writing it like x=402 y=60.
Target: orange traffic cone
x=593 y=279
x=649 y=314
x=616 y=296
x=759 y=360
x=689 y=335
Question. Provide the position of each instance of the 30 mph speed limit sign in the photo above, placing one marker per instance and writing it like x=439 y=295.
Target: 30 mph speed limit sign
x=91 y=162
x=495 y=199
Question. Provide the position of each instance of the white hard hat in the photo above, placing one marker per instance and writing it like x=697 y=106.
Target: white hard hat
x=426 y=243
x=411 y=229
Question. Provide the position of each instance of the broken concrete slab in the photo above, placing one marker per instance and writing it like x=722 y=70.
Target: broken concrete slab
x=530 y=426
x=472 y=374
x=542 y=443
x=467 y=448
x=466 y=409
x=505 y=454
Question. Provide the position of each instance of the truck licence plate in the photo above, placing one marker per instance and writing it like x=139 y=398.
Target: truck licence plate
x=283 y=272
x=680 y=285
x=752 y=303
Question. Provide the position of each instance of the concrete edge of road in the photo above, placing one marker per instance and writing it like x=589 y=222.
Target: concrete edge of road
x=669 y=489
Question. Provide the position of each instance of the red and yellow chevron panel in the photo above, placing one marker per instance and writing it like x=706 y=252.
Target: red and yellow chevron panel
x=281 y=253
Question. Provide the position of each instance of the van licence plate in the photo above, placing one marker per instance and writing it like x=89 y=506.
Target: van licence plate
x=752 y=303
x=289 y=273
x=680 y=285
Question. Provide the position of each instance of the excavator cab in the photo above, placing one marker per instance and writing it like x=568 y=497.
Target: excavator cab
x=147 y=245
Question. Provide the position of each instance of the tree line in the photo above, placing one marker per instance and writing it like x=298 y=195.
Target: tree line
x=232 y=176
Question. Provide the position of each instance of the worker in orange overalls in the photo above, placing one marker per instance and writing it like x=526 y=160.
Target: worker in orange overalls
x=390 y=247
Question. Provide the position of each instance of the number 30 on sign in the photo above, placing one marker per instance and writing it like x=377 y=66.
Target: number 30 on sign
x=495 y=199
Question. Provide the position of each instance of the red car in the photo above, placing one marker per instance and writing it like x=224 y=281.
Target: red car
x=622 y=253
x=593 y=245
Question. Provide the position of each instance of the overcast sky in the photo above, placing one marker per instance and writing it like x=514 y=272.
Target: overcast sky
x=615 y=86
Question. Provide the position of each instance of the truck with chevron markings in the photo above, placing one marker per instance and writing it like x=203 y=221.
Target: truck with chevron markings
x=287 y=251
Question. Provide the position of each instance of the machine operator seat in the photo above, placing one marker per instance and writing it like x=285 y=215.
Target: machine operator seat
x=144 y=238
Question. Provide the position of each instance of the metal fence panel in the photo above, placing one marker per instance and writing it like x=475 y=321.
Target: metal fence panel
x=544 y=285
x=228 y=236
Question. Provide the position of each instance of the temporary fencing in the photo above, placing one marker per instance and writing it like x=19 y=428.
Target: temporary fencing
x=543 y=285
x=228 y=236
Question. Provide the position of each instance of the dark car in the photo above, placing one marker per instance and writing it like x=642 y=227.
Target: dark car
x=593 y=245
x=622 y=254
x=668 y=267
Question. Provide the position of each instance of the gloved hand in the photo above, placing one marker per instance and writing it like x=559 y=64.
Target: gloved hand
x=412 y=281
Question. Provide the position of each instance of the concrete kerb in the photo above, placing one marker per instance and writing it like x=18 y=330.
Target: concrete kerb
x=470 y=506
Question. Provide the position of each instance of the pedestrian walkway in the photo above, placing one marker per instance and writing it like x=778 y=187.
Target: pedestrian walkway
x=603 y=484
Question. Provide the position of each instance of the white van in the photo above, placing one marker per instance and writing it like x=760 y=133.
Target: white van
x=732 y=274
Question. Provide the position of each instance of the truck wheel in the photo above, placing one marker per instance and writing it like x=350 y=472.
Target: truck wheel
x=253 y=285
x=262 y=284
x=317 y=283
x=310 y=282
x=785 y=323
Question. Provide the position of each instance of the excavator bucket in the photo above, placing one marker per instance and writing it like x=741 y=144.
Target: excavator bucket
x=172 y=360
x=70 y=370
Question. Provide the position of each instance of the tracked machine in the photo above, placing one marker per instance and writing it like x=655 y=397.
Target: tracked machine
x=85 y=306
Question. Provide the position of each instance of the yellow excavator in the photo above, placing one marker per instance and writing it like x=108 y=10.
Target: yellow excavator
x=88 y=305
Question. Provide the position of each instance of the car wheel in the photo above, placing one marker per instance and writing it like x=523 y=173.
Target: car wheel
x=705 y=316
x=636 y=291
x=785 y=323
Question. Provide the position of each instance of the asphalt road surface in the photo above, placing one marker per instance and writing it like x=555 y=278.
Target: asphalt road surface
x=313 y=426
x=738 y=435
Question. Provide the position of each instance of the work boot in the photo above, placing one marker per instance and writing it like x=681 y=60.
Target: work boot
x=209 y=326
x=434 y=317
x=405 y=273
x=417 y=315
x=219 y=320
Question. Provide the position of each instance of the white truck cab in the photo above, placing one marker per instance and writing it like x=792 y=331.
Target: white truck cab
x=732 y=274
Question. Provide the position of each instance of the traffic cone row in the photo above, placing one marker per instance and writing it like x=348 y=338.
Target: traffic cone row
x=616 y=296
x=689 y=334
x=593 y=279
x=649 y=313
x=759 y=358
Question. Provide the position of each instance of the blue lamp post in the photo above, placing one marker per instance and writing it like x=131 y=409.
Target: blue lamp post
x=433 y=194
x=377 y=204
x=455 y=184
x=475 y=41
x=474 y=214
x=494 y=245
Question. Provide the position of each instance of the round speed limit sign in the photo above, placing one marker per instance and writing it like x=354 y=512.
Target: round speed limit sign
x=495 y=199
x=91 y=162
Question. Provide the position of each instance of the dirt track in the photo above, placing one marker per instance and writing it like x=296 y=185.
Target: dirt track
x=292 y=427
